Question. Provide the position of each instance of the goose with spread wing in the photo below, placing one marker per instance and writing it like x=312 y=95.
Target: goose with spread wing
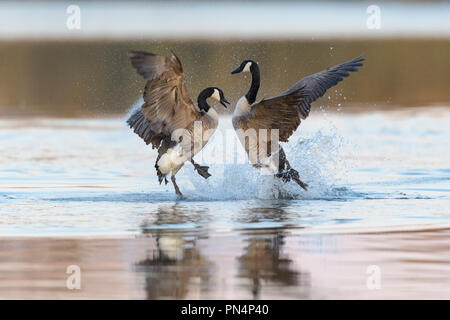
x=168 y=118
x=281 y=114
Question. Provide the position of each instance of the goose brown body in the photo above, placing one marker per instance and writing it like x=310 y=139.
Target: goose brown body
x=168 y=117
x=282 y=113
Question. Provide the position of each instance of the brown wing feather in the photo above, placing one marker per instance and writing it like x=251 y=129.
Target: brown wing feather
x=167 y=105
x=285 y=111
x=277 y=113
x=315 y=85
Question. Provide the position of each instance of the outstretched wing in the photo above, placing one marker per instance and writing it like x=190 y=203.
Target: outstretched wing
x=167 y=105
x=285 y=111
x=315 y=85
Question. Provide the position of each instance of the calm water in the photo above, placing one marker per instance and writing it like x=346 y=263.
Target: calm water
x=379 y=195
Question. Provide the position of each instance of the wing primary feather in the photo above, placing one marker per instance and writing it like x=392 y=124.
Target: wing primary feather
x=147 y=64
x=317 y=84
x=167 y=105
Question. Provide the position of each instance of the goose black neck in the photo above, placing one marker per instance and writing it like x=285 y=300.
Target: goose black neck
x=253 y=91
x=201 y=100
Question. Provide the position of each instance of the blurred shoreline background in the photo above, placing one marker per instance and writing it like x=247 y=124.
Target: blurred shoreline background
x=47 y=69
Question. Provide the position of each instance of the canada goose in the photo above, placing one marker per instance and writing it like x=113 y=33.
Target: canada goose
x=168 y=118
x=283 y=112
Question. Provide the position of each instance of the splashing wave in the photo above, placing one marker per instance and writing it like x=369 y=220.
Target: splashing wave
x=317 y=159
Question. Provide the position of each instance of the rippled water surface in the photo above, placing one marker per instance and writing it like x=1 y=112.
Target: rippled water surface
x=379 y=195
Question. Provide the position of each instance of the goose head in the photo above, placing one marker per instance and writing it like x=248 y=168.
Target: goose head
x=252 y=67
x=245 y=66
x=214 y=93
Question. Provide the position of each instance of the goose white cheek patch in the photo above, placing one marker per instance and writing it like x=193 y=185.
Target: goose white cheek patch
x=216 y=95
x=247 y=67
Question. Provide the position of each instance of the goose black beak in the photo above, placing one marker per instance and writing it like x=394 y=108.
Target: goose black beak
x=223 y=101
x=237 y=70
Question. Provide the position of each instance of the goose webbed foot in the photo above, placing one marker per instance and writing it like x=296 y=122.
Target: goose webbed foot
x=294 y=175
x=180 y=196
x=284 y=176
x=289 y=174
x=202 y=170
x=177 y=190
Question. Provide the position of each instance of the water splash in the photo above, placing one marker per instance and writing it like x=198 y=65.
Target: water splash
x=316 y=157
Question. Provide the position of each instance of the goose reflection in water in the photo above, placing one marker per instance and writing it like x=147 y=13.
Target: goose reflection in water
x=187 y=263
x=263 y=260
x=176 y=262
